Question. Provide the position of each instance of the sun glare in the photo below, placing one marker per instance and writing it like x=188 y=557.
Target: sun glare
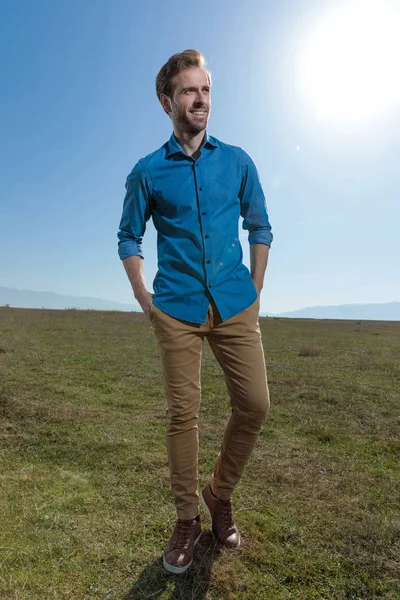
x=352 y=61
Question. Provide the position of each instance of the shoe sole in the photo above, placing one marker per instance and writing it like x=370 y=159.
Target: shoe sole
x=208 y=513
x=179 y=570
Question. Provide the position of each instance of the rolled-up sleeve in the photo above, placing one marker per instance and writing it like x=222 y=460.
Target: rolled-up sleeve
x=136 y=212
x=253 y=204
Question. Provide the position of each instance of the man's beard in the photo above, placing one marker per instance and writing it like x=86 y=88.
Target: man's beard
x=185 y=124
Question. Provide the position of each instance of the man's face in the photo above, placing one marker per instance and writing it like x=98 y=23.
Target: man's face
x=191 y=101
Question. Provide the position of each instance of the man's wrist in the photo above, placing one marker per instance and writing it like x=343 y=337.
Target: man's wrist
x=258 y=285
x=141 y=293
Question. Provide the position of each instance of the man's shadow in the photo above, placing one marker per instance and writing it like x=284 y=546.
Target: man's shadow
x=154 y=580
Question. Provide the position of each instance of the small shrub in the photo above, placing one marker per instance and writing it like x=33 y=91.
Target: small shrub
x=309 y=351
x=322 y=434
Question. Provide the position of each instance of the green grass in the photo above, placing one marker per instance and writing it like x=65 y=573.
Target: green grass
x=85 y=504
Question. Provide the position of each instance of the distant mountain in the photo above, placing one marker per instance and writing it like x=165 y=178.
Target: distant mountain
x=29 y=299
x=389 y=311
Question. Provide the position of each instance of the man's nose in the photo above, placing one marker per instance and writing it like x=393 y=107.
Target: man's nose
x=201 y=97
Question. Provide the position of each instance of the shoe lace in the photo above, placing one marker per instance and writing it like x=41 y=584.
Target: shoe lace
x=182 y=533
x=226 y=513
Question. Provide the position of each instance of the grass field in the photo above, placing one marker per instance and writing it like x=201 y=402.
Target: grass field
x=85 y=505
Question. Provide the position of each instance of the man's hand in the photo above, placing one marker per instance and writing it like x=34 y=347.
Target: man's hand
x=258 y=264
x=145 y=300
x=258 y=287
x=134 y=269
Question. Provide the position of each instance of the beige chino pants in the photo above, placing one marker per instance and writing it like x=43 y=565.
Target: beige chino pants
x=236 y=343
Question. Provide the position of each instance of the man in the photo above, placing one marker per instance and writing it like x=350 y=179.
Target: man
x=195 y=188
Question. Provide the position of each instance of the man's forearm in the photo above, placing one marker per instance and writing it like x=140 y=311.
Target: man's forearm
x=258 y=263
x=135 y=270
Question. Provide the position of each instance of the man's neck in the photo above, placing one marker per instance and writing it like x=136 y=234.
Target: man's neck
x=191 y=144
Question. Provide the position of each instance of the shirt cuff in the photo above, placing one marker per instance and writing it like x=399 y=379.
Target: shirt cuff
x=129 y=248
x=261 y=236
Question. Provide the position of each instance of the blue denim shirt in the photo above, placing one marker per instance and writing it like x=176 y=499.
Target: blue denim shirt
x=195 y=206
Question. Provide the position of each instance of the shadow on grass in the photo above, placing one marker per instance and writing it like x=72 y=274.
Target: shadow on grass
x=155 y=581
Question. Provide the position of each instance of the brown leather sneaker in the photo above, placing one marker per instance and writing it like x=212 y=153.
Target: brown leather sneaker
x=178 y=555
x=220 y=514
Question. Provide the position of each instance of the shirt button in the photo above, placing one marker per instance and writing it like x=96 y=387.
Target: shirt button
x=210 y=286
x=200 y=189
x=208 y=262
x=206 y=236
x=204 y=213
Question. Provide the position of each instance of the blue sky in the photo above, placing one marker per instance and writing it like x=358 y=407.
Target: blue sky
x=78 y=109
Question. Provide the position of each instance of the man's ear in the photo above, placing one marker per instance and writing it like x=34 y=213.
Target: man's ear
x=166 y=103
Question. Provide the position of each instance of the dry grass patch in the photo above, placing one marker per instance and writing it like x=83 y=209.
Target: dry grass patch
x=308 y=350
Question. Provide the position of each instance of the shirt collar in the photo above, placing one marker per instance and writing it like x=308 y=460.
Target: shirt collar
x=174 y=147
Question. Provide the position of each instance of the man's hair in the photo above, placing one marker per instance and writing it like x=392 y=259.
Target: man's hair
x=177 y=63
